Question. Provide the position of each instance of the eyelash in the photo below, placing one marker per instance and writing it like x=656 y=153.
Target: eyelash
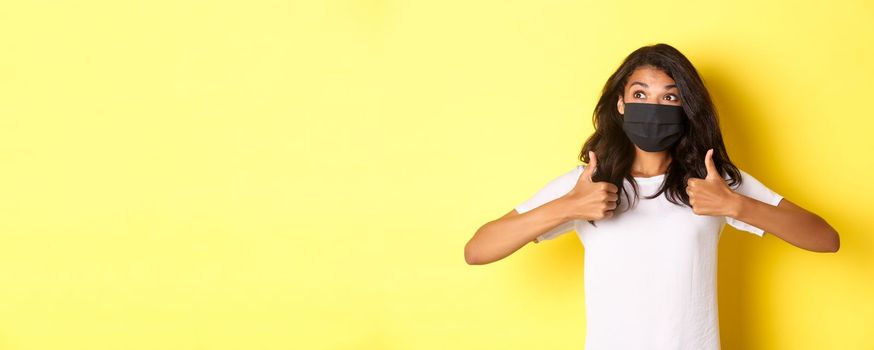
x=678 y=97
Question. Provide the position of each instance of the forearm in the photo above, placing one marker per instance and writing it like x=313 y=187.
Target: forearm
x=790 y=223
x=500 y=238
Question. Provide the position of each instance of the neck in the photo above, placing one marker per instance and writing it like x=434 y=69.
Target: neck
x=648 y=164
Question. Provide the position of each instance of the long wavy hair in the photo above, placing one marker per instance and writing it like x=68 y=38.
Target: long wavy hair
x=615 y=151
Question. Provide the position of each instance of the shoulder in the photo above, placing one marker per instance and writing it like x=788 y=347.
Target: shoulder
x=738 y=181
x=575 y=172
x=569 y=177
x=751 y=186
x=744 y=176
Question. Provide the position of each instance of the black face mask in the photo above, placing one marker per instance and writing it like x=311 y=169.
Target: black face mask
x=653 y=127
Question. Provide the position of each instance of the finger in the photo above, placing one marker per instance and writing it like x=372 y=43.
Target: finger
x=610 y=187
x=590 y=168
x=711 y=167
x=691 y=181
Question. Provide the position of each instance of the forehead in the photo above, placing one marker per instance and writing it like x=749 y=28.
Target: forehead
x=651 y=76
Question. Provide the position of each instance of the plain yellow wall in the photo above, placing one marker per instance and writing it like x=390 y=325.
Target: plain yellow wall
x=274 y=175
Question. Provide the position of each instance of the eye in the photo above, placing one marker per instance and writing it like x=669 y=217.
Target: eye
x=676 y=98
x=638 y=92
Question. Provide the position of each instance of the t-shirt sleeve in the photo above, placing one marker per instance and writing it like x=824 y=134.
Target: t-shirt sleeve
x=753 y=188
x=554 y=189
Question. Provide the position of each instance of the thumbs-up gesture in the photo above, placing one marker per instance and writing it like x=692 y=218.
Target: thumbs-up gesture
x=710 y=195
x=590 y=200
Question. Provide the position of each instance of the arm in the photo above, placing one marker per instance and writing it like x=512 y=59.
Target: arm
x=784 y=219
x=499 y=238
x=788 y=221
x=549 y=212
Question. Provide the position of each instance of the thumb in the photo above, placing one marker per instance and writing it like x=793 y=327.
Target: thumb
x=711 y=167
x=590 y=168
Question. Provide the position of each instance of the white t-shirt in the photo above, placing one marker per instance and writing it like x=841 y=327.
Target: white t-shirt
x=650 y=272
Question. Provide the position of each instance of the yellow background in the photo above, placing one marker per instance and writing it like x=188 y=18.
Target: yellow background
x=304 y=175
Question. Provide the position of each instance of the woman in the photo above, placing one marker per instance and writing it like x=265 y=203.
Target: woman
x=649 y=207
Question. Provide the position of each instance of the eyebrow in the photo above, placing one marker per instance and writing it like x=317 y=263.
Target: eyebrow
x=647 y=86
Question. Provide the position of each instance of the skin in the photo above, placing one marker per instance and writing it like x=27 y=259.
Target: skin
x=711 y=195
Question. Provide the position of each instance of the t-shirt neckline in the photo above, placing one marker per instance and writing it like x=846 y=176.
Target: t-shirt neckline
x=656 y=178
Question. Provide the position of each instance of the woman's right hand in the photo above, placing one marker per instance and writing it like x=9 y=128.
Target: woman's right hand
x=590 y=200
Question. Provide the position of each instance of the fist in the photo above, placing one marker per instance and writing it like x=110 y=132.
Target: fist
x=710 y=195
x=590 y=200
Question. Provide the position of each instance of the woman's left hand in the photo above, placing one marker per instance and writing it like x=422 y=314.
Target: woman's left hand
x=711 y=195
